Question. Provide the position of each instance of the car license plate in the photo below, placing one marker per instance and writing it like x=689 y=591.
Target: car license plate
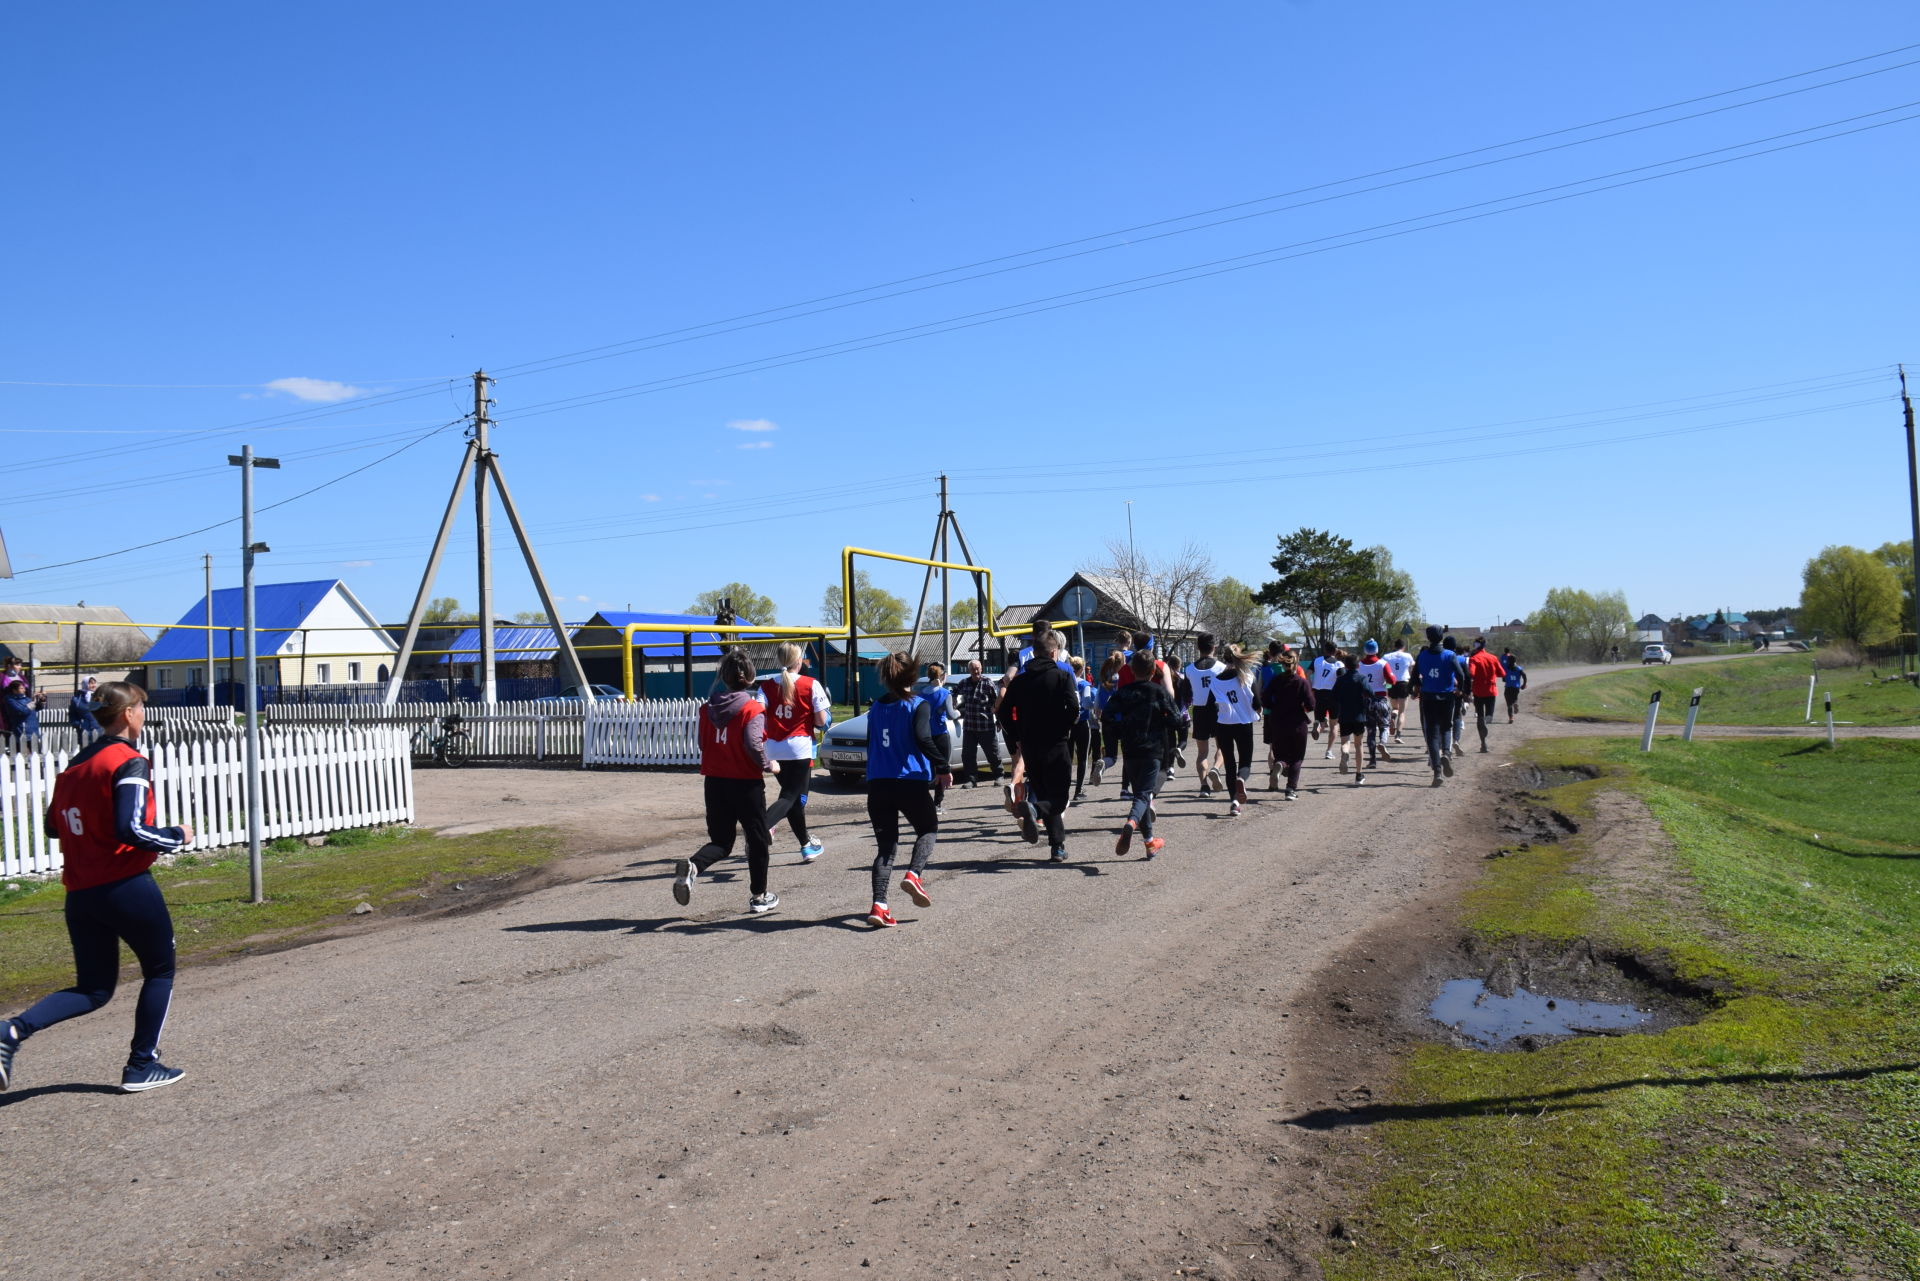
x=846 y=756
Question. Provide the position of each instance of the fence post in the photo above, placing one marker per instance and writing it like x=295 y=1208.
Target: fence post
x=1653 y=715
x=1829 y=718
x=540 y=737
x=1811 y=680
x=1693 y=711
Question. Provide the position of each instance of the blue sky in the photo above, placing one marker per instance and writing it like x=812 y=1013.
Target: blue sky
x=301 y=230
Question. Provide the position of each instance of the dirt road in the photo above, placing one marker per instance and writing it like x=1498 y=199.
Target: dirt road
x=1078 y=1071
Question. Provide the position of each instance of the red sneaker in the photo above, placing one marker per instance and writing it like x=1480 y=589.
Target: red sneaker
x=1154 y=845
x=880 y=918
x=1125 y=842
x=916 y=891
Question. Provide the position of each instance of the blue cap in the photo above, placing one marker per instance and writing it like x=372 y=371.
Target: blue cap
x=1372 y=647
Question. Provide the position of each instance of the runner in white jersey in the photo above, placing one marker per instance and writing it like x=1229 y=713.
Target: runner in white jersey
x=1323 y=672
x=1401 y=664
x=1377 y=676
x=1235 y=711
x=1202 y=674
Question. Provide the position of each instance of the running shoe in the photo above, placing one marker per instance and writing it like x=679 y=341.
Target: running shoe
x=811 y=851
x=1079 y=796
x=150 y=1077
x=1437 y=780
x=1206 y=788
x=939 y=811
x=9 y=1046
x=760 y=904
x=1292 y=795
x=1359 y=778
x=1213 y=780
x=1483 y=747
x=1384 y=756
x=1180 y=757
x=1007 y=791
x=1233 y=809
x=1446 y=766
x=1121 y=846
x=1059 y=854
x=916 y=891
x=1029 y=824
x=880 y=918
x=1329 y=755
x=684 y=875
x=1154 y=845
x=1126 y=794
x=1343 y=762
x=1239 y=790
x=1099 y=769
x=1273 y=779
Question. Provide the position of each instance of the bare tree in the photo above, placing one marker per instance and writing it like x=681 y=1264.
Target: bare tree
x=1164 y=595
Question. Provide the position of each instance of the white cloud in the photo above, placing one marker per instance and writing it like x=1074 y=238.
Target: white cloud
x=315 y=389
x=355 y=564
x=649 y=498
x=753 y=424
x=709 y=495
x=583 y=599
x=754 y=444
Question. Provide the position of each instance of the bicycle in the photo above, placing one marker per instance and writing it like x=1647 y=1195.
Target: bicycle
x=452 y=745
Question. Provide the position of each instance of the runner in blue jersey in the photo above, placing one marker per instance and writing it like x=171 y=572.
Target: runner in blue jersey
x=907 y=751
x=1457 y=746
x=940 y=698
x=1438 y=678
x=1516 y=680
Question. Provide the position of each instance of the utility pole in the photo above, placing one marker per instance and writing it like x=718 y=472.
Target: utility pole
x=207 y=562
x=246 y=462
x=1913 y=510
x=483 y=532
x=946 y=593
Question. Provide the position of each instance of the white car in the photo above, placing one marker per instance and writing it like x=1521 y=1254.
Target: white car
x=1656 y=654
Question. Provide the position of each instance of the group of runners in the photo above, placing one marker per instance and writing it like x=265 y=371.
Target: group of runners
x=1140 y=714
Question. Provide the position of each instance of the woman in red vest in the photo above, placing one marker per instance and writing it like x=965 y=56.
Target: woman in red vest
x=797 y=705
x=103 y=813
x=733 y=769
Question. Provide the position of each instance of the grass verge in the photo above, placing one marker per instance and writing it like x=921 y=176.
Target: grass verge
x=307 y=887
x=1753 y=691
x=1776 y=1135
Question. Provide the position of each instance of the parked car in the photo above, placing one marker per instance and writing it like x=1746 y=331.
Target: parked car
x=844 y=752
x=571 y=694
x=1656 y=654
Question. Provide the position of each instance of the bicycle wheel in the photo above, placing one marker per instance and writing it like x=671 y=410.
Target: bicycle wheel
x=454 y=749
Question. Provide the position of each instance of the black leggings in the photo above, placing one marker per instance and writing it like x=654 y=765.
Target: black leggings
x=97 y=920
x=791 y=804
x=736 y=804
x=889 y=800
x=1082 y=738
x=1236 y=750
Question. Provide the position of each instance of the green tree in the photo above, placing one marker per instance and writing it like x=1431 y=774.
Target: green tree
x=1320 y=574
x=879 y=610
x=966 y=612
x=446 y=609
x=1229 y=610
x=1387 y=605
x=1899 y=558
x=531 y=616
x=1576 y=624
x=1850 y=595
x=749 y=606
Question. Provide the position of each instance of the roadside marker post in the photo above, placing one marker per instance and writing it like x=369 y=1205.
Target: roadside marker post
x=1811 y=681
x=1693 y=713
x=1653 y=716
x=1829 y=718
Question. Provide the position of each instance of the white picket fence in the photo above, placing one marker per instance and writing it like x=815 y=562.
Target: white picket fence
x=521 y=730
x=318 y=780
x=654 y=731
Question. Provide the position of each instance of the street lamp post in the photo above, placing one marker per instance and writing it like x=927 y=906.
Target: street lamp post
x=246 y=462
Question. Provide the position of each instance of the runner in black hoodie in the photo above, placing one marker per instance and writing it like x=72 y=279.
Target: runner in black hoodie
x=733 y=768
x=1141 y=719
x=1039 y=711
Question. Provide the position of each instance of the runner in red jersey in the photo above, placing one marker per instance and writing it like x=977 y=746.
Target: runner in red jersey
x=733 y=769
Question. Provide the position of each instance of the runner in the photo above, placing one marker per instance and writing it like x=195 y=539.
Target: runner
x=733 y=769
x=978 y=698
x=1325 y=670
x=1286 y=702
x=1516 y=680
x=940 y=698
x=103 y=809
x=1103 y=694
x=1352 y=714
x=1140 y=720
x=1439 y=678
x=1086 y=730
x=1486 y=673
x=1038 y=713
x=1236 y=708
x=1458 y=744
x=1377 y=676
x=1402 y=664
x=796 y=706
x=907 y=754
x=1200 y=676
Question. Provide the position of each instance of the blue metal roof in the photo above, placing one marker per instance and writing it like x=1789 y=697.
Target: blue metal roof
x=705 y=644
x=538 y=643
x=278 y=611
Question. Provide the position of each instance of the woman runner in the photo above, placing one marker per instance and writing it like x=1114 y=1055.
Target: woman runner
x=797 y=705
x=733 y=770
x=907 y=751
x=1140 y=718
x=1234 y=712
x=1086 y=731
x=1351 y=700
x=1287 y=701
x=938 y=696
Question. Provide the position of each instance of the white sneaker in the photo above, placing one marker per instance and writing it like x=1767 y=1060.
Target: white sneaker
x=1329 y=755
x=768 y=902
x=684 y=875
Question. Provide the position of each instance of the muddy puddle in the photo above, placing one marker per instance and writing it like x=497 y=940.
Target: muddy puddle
x=1489 y=1019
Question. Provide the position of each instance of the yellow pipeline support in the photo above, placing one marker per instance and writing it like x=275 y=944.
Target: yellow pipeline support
x=759 y=631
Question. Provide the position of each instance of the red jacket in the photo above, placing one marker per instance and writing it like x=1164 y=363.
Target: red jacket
x=103 y=814
x=1486 y=671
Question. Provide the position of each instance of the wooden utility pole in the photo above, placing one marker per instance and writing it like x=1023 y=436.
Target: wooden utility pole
x=1913 y=511
x=483 y=532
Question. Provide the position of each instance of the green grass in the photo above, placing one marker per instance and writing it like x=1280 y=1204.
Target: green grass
x=1776 y=1135
x=1753 y=691
x=306 y=888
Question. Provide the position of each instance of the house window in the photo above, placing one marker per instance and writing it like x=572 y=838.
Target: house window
x=323 y=673
x=353 y=673
x=226 y=673
x=194 y=675
x=382 y=678
x=166 y=678
x=267 y=674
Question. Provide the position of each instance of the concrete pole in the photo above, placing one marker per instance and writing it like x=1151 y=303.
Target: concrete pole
x=946 y=586
x=483 y=532
x=207 y=563
x=253 y=676
x=1913 y=511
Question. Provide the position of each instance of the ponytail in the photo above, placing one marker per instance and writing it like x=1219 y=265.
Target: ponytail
x=789 y=655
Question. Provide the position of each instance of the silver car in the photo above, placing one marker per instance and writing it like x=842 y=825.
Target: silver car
x=844 y=752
